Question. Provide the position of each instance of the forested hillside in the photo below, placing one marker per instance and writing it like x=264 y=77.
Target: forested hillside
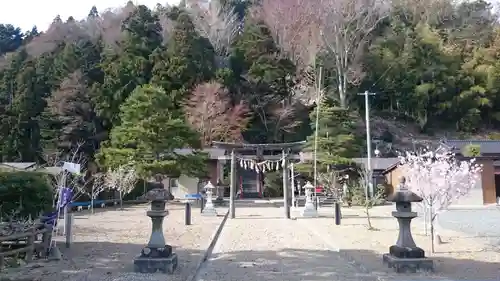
x=136 y=79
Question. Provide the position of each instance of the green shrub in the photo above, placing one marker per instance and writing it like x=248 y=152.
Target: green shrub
x=471 y=150
x=24 y=194
x=273 y=184
x=356 y=195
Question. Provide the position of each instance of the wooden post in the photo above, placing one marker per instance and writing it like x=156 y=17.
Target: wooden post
x=68 y=222
x=30 y=243
x=292 y=185
x=232 y=187
x=46 y=239
x=285 y=186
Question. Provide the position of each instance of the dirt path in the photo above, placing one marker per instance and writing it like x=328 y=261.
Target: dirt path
x=260 y=245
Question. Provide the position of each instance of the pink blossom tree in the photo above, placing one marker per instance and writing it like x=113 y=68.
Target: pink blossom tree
x=439 y=178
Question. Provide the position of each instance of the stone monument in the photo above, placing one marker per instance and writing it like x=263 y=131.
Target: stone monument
x=405 y=256
x=209 y=209
x=309 y=209
x=157 y=255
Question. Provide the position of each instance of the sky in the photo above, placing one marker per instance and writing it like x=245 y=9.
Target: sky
x=27 y=13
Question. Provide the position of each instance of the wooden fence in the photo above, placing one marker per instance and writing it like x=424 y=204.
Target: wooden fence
x=34 y=241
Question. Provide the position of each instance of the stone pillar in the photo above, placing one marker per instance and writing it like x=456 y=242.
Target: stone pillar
x=209 y=209
x=309 y=209
x=286 y=200
x=232 y=187
x=157 y=255
x=405 y=255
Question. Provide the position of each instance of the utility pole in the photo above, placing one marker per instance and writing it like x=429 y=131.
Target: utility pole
x=318 y=103
x=369 y=180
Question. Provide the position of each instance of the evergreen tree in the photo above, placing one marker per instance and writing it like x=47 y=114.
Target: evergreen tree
x=336 y=141
x=149 y=134
x=188 y=59
x=11 y=38
x=267 y=86
x=132 y=68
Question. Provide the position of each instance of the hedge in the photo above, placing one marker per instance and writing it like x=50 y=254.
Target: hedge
x=25 y=193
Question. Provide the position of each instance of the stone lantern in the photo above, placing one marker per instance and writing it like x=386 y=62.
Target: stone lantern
x=221 y=187
x=209 y=209
x=309 y=209
x=405 y=255
x=157 y=255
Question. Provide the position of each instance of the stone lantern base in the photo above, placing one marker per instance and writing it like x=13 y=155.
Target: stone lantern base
x=157 y=259
x=402 y=264
x=309 y=211
x=209 y=210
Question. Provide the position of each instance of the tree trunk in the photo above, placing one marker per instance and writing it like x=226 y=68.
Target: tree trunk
x=432 y=217
x=426 y=219
x=121 y=200
x=368 y=217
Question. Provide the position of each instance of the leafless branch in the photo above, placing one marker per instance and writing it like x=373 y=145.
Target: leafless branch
x=218 y=25
x=210 y=112
x=61 y=177
x=295 y=27
x=346 y=28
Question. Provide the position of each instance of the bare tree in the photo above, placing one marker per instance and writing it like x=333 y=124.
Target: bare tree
x=122 y=179
x=369 y=201
x=218 y=25
x=58 y=32
x=61 y=177
x=346 y=28
x=71 y=106
x=330 y=181
x=210 y=112
x=98 y=186
x=295 y=27
x=111 y=25
x=425 y=11
x=283 y=117
x=167 y=24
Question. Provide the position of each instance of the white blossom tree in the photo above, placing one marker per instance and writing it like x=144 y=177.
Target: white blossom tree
x=98 y=186
x=439 y=178
x=122 y=179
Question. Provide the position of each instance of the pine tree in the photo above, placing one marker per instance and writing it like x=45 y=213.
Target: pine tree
x=337 y=142
x=151 y=129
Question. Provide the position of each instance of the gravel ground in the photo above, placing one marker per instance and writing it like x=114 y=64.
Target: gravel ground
x=106 y=243
x=488 y=226
x=260 y=245
x=460 y=257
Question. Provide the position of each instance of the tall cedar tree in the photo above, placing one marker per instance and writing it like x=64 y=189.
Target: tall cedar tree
x=187 y=61
x=267 y=85
x=125 y=71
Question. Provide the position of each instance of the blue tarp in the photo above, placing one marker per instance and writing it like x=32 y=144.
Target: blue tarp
x=193 y=196
x=84 y=204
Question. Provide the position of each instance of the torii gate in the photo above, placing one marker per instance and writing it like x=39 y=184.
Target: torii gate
x=286 y=149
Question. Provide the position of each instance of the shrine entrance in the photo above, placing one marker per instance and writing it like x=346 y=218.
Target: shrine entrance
x=260 y=158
